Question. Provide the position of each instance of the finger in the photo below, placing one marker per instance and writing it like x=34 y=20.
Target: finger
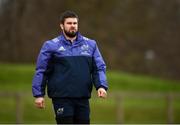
x=39 y=105
x=105 y=94
x=43 y=104
x=101 y=94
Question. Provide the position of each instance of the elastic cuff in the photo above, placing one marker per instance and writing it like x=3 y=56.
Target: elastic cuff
x=102 y=87
x=37 y=96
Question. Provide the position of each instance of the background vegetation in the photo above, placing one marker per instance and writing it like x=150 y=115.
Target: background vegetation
x=137 y=36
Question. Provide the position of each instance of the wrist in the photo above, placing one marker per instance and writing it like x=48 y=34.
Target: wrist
x=39 y=96
x=105 y=88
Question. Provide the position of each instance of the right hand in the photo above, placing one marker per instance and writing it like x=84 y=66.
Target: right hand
x=39 y=102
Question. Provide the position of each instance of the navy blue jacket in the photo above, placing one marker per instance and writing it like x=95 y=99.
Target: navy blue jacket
x=69 y=69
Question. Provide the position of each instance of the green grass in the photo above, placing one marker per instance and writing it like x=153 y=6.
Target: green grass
x=7 y=110
x=124 y=81
x=18 y=78
x=14 y=77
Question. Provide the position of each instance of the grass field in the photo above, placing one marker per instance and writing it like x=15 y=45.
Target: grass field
x=18 y=77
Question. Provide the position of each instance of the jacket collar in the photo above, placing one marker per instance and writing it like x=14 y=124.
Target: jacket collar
x=76 y=41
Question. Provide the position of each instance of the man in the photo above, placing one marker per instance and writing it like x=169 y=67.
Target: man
x=68 y=65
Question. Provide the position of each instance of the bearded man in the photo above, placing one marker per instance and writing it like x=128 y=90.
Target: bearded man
x=69 y=65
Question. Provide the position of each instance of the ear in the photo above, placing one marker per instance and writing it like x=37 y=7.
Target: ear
x=61 y=26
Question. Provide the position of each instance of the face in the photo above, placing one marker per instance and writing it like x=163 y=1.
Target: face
x=70 y=27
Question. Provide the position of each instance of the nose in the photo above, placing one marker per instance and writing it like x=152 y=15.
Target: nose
x=72 y=25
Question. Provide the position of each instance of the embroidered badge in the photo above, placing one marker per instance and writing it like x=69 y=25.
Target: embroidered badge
x=60 y=110
x=85 y=50
x=84 y=47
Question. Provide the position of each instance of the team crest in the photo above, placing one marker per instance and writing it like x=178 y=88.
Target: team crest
x=60 y=110
x=84 y=47
x=84 y=50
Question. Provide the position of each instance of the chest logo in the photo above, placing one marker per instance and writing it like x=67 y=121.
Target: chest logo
x=84 y=47
x=84 y=50
x=61 y=48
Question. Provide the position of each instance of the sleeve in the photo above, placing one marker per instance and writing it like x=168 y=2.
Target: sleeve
x=99 y=70
x=40 y=76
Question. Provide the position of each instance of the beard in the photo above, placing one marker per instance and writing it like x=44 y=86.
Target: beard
x=70 y=34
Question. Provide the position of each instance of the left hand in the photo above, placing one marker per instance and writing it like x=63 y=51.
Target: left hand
x=102 y=93
x=40 y=103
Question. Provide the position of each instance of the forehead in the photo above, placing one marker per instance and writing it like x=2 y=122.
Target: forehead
x=70 y=20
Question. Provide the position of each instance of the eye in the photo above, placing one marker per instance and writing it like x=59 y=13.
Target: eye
x=70 y=23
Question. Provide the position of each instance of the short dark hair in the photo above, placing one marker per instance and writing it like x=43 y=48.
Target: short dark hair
x=67 y=14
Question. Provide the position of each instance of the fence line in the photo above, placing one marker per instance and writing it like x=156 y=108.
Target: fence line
x=119 y=98
x=18 y=102
x=169 y=98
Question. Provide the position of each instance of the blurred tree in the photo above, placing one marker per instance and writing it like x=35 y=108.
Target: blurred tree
x=126 y=30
